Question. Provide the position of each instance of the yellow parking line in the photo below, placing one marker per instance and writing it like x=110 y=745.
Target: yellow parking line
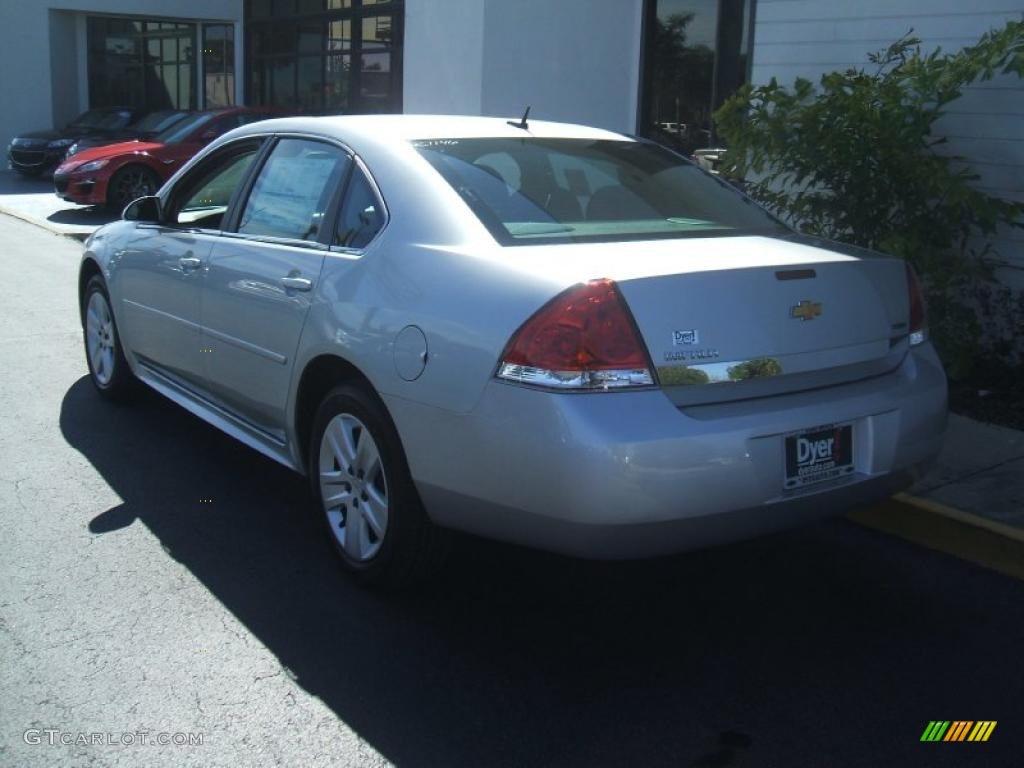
x=964 y=517
x=935 y=526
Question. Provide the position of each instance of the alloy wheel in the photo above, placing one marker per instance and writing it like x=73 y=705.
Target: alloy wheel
x=353 y=487
x=99 y=338
x=133 y=184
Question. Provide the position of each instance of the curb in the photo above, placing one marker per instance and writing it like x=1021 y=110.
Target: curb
x=967 y=518
x=990 y=544
x=43 y=224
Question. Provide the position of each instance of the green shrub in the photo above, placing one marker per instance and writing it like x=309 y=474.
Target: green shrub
x=855 y=159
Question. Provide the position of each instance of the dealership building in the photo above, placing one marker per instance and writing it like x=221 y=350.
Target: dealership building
x=599 y=62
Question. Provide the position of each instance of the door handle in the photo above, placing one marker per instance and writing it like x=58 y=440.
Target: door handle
x=190 y=262
x=297 y=283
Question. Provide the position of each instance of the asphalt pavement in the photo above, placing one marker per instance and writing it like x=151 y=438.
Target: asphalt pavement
x=158 y=578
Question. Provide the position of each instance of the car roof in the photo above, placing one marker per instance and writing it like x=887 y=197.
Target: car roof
x=412 y=127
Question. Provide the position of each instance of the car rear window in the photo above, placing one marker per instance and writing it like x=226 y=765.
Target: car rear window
x=539 y=190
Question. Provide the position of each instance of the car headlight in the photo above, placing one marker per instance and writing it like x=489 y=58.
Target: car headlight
x=60 y=143
x=94 y=165
x=73 y=149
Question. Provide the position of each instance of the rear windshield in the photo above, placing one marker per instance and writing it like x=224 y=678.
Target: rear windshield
x=533 y=190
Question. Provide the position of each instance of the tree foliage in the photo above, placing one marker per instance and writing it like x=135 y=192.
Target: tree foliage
x=855 y=158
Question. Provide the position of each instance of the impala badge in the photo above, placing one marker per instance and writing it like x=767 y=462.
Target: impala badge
x=805 y=310
x=680 y=338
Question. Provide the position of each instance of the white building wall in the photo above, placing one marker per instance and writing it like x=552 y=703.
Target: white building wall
x=805 y=38
x=574 y=60
x=42 y=53
x=442 y=57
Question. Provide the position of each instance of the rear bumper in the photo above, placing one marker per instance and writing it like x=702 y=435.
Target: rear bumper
x=618 y=475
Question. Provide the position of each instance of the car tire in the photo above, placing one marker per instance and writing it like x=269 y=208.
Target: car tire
x=108 y=368
x=130 y=183
x=394 y=543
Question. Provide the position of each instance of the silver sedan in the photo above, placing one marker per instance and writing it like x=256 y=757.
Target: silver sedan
x=543 y=333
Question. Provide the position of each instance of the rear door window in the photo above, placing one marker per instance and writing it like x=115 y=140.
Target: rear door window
x=293 y=190
x=361 y=216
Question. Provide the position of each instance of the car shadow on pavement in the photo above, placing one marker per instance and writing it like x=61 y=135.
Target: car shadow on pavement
x=88 y=216
x=826 y=643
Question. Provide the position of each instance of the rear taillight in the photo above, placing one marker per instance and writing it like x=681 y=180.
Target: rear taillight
x=585 y=338
x=918 y=320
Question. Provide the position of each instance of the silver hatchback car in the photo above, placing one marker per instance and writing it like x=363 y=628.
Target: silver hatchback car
x=543 y=333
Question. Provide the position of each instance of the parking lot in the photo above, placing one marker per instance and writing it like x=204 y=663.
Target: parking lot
x=157 y=577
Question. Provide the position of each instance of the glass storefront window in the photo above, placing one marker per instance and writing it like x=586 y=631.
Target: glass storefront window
x=696 y=56
x=144 y=64
x=337 y=75
x=333 y=56
x=311 y=84
x=376 y=31
x=218 y=65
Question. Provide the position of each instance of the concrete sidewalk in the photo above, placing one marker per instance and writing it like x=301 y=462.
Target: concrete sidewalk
x=34 y=201
x=980 y=471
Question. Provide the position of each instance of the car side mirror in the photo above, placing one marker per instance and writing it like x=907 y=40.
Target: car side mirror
x=208 y=135
x=146 y=210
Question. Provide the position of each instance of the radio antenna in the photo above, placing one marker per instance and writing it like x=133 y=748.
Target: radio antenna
x=521 y=123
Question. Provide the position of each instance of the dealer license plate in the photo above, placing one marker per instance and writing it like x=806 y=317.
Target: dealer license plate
x=819 y=454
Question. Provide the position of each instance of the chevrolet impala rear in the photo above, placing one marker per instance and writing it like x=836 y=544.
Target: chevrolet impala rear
x=698 y=374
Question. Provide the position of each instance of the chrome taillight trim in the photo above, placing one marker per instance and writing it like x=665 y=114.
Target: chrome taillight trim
x=575 y=380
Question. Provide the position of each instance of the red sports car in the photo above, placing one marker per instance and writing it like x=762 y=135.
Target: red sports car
x=116 y=174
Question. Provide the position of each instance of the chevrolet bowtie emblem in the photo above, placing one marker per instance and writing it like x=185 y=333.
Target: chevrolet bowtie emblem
x=805 y=310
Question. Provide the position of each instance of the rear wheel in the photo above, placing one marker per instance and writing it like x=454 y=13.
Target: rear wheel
x=364 y=494
x=130 y=183
x=108 y=369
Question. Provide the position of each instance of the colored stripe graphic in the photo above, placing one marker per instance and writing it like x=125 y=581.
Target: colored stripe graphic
x=958 y=730
x=935 y=730
x=982 y=730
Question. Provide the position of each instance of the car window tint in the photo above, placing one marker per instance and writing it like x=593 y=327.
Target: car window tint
x=208 y=196
x=360 y=217
x=293 y=190
x=557 y=190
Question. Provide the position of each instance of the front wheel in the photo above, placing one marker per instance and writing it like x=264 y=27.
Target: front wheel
x=130 y=183
x=108 y=368
x=365 y=495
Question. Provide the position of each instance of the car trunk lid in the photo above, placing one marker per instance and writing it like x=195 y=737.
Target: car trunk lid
x=728 y=318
